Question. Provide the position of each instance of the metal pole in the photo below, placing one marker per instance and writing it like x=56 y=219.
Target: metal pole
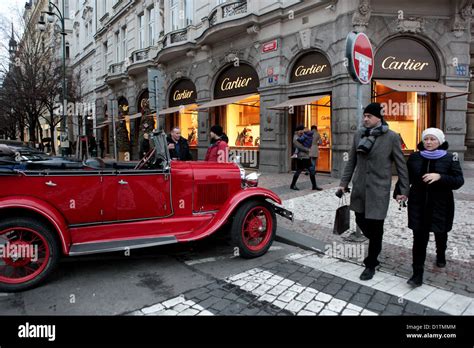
x=114 y=112
x=357 y=235
x=155 y=82
x=64 y=94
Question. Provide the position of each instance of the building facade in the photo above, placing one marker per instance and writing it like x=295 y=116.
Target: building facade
x=259 y=68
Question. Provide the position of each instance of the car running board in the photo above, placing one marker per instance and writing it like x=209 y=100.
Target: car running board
x=119 y=245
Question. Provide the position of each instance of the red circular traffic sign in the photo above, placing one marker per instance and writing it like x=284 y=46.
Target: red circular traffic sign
x=360 y=57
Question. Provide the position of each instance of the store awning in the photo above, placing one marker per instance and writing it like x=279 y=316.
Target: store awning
x=172 y=110
x=419 y=86
x=224 y=101
x=299 y=101
x=135 y=116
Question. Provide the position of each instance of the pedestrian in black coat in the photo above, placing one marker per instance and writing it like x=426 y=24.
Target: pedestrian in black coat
x=434 y=174
x=178 y=146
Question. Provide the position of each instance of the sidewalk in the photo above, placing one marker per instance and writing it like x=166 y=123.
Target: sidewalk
x=314 y=216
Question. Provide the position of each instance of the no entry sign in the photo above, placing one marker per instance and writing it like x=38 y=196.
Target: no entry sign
x=360 y=57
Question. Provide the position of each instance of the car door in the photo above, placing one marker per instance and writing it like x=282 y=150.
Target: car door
x=76 y=194
x=139 y=194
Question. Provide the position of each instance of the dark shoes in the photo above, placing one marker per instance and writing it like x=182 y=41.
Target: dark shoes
x=317 y=188
x=294 y=188
x=441 y=261
x=367 y=274
x=416 y=280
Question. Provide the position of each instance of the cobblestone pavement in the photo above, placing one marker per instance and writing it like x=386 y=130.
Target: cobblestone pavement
x=315 y=212
x=308 y=284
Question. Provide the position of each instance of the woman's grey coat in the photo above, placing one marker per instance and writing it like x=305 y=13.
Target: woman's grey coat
x=372 y=175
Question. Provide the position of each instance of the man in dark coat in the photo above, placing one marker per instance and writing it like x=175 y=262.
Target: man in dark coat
x=375 y=147
x=178 y=146
x=434 y=174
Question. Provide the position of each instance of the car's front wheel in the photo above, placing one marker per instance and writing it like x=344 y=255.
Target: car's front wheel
x=29 y=252
x=254 y=228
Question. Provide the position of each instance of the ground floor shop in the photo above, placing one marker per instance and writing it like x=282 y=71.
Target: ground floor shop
x=259 y=100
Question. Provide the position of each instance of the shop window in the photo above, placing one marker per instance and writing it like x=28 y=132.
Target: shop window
x=316 y=114
x=187 y=122
x=243 y=122
x=405 y=112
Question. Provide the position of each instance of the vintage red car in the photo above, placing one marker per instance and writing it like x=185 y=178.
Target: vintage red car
x=55 y=208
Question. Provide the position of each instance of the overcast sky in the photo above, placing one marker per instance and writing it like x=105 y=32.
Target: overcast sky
x=7 y=8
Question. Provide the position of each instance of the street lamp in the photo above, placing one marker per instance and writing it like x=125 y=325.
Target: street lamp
x=54 y=11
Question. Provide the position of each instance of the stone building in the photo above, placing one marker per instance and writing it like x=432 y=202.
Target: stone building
x=259 y=68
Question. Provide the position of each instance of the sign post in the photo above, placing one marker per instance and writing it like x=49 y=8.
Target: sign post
x=360 y=59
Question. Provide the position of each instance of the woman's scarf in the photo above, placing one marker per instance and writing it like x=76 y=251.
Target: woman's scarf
x=435 y=154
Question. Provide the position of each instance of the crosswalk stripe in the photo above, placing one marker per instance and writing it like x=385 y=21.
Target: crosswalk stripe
x=426 y=295
x=292 y=296
x=175 y=306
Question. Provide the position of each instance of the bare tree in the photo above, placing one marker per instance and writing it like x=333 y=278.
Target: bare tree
x=32 y=81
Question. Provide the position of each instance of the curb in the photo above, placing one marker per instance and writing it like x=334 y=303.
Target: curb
x=300 y=240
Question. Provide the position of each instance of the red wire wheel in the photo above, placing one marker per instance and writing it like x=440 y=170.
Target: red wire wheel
x=253 y=229
x=28 y=253
x=257 y=228
x=25 y=255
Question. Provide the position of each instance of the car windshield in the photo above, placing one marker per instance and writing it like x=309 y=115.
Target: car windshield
x=21 y=152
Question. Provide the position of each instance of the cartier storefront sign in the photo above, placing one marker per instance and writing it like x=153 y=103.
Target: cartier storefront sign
x=407 y=59
x=310 y=66
x=236 y=80
x=183 y=92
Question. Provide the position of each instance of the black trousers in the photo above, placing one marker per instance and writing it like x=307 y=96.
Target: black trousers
x=420 y=242
x=303 y=164
x=373 y=230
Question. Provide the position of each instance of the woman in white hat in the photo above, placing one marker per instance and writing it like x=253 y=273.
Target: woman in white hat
x=434 y=174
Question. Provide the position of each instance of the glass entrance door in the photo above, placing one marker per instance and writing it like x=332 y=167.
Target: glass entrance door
x=319 y=115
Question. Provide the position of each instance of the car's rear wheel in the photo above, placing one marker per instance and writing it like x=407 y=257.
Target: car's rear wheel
x=254 y=228
x=29 y=252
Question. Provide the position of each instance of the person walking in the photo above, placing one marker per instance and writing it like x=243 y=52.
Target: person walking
x=314 y=151
x=218 y=150
x=145 y=145
x=102 y=147
x=434 y=174
x=302 y=159
x=178 y=146
x=369 y=165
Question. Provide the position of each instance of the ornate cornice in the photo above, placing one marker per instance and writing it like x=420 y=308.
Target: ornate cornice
x=360 y=18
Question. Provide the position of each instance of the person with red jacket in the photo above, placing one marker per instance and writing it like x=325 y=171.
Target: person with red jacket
x=218 y=151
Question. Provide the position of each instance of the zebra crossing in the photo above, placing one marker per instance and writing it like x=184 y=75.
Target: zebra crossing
x=308 y=284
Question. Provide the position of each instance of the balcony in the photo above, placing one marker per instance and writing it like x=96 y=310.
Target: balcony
x=178 y=36
x=139 y=55
x=117 y=68
x=225 y=20
x=141 y=59
x=174 y=37
x=226 y=11
x=117 y=72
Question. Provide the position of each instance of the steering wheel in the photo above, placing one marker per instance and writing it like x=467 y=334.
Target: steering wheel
x=148 y=159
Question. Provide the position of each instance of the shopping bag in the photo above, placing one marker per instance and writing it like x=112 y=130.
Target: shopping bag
x=343 y=217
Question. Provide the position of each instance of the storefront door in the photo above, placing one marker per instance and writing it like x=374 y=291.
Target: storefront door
x=404 y=82
x=319 y=115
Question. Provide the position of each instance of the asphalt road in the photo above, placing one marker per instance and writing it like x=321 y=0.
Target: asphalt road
x=113 y=283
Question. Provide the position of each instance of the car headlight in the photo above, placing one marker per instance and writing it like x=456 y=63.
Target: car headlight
x=252 y=179
x=242 y=173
